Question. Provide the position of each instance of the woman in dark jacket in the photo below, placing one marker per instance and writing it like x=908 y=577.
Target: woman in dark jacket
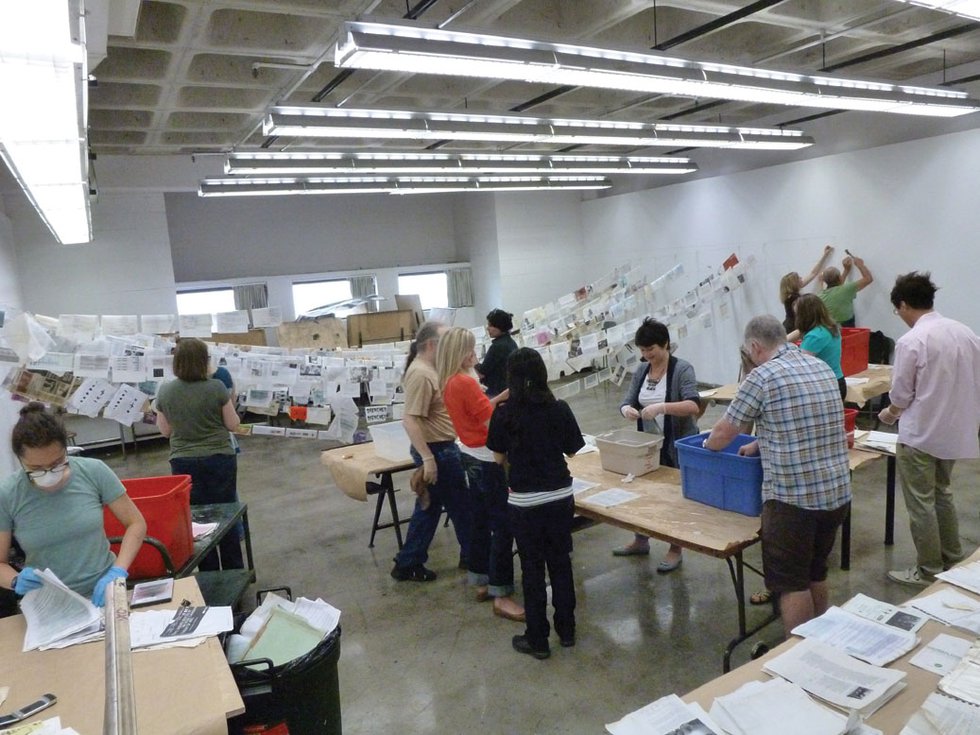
x=663 y=399
x=493 y=369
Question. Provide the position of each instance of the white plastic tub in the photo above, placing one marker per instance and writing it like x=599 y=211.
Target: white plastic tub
x=391 y=441
x=629 y=452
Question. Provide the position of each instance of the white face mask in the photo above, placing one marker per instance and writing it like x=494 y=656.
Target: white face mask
x=51 y=478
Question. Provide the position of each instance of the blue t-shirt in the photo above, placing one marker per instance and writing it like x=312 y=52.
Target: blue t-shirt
x=821 y=343
x=64 y=530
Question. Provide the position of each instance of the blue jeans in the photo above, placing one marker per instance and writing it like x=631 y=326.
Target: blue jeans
x=214 y=479
x=544 y=539
x=492 y=544
x=449 y=492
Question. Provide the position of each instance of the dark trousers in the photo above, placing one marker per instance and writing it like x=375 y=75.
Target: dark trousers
x=449 y=492
x=491 y=560
x=214 y=479
x=544 y=539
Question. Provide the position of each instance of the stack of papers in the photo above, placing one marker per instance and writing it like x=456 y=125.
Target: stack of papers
x=57 y=616
x=765 y=708
x=667 y=716
x=963 y=682
x=159 y=628
x=281 y=629
x=864 y=639
x=883 y=441
x=941 y=715
x=903 y=618
x=837 y=678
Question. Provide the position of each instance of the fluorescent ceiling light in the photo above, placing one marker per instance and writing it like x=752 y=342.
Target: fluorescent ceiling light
x=394 y=184
x=332 y=122
x=43 y=142
x=965 y=8
x=418 y=162
x=412 y=48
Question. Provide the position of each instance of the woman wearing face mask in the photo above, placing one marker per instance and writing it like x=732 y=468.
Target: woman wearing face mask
x=54 y=506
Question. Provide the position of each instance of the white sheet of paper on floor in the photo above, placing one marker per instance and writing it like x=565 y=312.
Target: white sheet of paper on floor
x=867 y=640
x=612 y=497
x=941 y=654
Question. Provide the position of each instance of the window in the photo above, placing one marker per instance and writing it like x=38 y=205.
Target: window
x=206 y=302
x=430 y=287
x=309 y=296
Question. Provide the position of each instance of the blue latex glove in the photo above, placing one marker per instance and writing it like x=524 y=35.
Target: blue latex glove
x=27 y=580
x=98 y=594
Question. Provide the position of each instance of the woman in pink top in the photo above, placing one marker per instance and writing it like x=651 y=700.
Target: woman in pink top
x=491 y=558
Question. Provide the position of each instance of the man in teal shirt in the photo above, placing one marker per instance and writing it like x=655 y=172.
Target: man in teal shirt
x=838 y=293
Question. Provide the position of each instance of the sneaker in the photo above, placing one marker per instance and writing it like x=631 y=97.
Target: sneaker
x=910 y=576
x=523 y=645
x=418 y=573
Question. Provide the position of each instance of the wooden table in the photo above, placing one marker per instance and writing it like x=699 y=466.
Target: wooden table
x=879 y=379
x=891 y=718
x=663 y=513
x=352 y=469
x=178 y=690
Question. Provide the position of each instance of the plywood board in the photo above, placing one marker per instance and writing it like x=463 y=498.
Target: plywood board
x=383 y=326
x=324 y=332
x=253 y=337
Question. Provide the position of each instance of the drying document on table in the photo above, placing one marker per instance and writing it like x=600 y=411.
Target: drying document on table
x=764 y=708
x=952 y=608
x=611 y=497
x=837 y=678
x=580 y=486
x=903 y=618
x=865 y=639
x=941 y=654
x=963 y=682
x=669 y=715
x=967 y=577
x=941 y=715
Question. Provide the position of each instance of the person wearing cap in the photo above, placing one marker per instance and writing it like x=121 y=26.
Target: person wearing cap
x=493 y=369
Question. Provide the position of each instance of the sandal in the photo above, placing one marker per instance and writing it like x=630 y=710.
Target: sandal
x=760 y=598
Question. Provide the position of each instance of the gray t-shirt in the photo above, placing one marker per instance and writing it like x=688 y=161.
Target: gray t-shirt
x=63 y=531
x=193 y=409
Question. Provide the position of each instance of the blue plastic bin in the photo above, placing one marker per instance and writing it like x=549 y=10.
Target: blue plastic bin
x=721 y=479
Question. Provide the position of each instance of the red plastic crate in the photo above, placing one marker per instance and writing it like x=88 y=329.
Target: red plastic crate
x=165 y=503
x=850 y=424
x=854 y=349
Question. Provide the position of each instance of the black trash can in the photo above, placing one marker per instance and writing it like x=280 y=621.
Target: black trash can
x=304 y=693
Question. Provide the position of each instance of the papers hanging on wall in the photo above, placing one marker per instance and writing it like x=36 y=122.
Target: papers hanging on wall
x=78 y=327
x=91 y=396
x=270 y=316
x=230 y=322
x=195 y=325
x=159 y=323
x=119 y=325
x=126 y=405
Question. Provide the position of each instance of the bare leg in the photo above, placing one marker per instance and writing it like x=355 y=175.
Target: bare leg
x=795 y=608
x=821 y=598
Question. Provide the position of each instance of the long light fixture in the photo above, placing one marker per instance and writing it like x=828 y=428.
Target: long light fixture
x=965 y=8
x=429 y=162
x=43 y=141
x=333 y=122
x=407 y=47
x=218 y=187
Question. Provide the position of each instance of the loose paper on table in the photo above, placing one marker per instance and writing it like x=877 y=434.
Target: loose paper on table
x=864 y=639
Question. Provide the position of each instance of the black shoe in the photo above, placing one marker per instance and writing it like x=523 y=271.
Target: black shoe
x=567 y=641
x=418 y=573
x=522 y=645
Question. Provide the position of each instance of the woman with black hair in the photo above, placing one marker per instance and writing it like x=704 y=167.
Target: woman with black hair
x=534 y=432
x=493 y=369
x=663 y=399
x=54 y=506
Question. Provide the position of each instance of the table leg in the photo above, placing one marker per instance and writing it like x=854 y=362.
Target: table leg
x=395 y=521
x=248 y=543
x=376 y=489
x=737 y=573
x=385 y=489
x=890 y=501
x=845 y=540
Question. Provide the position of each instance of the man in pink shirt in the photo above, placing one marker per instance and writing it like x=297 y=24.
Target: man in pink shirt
x=936 y=392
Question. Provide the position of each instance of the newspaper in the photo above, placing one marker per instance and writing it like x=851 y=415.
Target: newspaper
x=54 y=613
x=865 y=639
x=837 y=678
x=941 y=715
x=669 y=715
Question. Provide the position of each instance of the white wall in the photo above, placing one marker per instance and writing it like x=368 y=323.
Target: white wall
x=247 y=237
x=540 y=248
x=10 y=294
x=910 y=206
x=475 y=224
x=126 y=269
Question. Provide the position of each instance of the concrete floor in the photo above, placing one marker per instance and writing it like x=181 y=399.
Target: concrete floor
x=427 y=658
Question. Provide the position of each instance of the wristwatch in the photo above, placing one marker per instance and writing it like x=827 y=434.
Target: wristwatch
x=13 y=582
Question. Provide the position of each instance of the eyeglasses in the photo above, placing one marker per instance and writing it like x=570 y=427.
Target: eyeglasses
x=38 y=474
